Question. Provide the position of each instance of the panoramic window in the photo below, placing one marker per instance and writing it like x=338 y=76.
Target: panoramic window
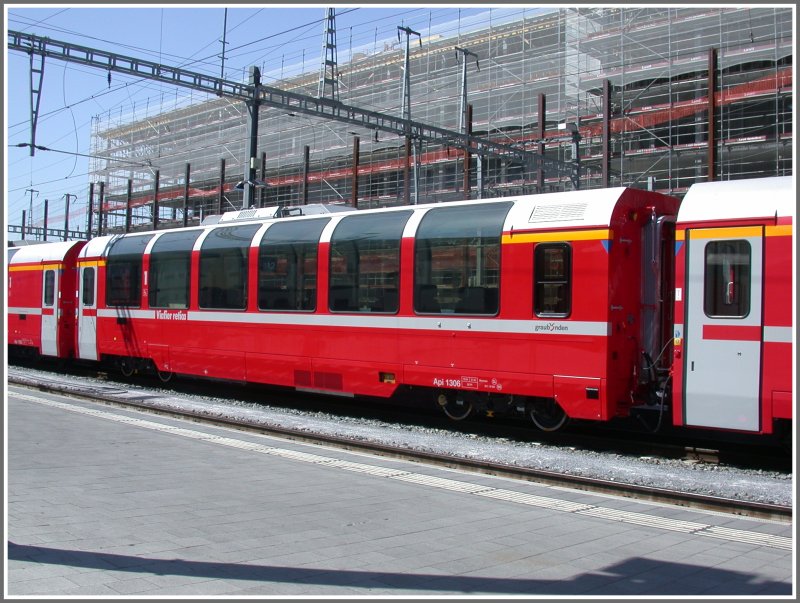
x=552 y=295
x=223 y=267
x=457 y=259
x=170 y=269
x=727 y=279
x=124 y=271
x=287 y=266
x=365 y=263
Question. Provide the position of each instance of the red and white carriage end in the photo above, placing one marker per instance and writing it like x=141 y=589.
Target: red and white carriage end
x=41 y=298
x=733 y=306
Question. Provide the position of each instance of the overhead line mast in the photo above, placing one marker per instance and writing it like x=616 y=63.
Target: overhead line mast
x=328 y=72
x=259 y=94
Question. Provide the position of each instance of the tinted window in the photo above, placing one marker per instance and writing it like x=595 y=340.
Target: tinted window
x=552 y=295
x=365 y=262
x=124 y=271
x=287 y=265
x=88 y=287
x=49 y=287
x=457 y=259
x=727 y=279
x=223 y=267
x=170 y=269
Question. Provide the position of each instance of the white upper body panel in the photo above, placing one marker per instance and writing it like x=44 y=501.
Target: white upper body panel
x=97 y=247
x=46 y=252
x=738 y=199
x=569 y=209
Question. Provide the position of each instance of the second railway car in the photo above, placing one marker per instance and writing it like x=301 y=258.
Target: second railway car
x=533 y=303
x=733 y=302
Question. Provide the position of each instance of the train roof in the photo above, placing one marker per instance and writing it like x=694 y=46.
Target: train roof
x=45 y=252
x=738 y=199
x=568 y=209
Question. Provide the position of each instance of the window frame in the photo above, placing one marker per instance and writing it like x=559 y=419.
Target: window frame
x=219 y=257
x=713 y=274
x=154 y=267
x=49 y=289
x=126 y=253
x=84 y=289
x=276 y=243
x=458 y=230
x=364 y=244
x=541 y=280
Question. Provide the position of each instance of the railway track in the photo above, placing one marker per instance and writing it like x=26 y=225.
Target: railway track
x=118 y=395
x=628 y=440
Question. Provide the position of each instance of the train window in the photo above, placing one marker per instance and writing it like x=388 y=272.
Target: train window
x=170 y=269
x=223 y=267
x=124 y=271
x=727 y=279
x=49 y=287
x=457 y=259
x=552 y=265
x=287 y=266
x=365 y=263
x=87 y=293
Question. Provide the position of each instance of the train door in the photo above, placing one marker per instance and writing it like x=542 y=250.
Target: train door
x=87 y=313
x=723 y=328
x=49 y=312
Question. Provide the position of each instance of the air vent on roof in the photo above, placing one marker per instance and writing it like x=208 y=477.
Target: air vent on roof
x=558 y=213
x=246 y=214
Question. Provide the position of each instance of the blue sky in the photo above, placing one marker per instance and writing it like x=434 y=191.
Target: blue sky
x=72 y=96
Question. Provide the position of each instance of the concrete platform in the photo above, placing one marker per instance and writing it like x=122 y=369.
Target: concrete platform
x=106 y=502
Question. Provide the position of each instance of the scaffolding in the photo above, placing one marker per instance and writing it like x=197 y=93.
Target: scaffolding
x=658 y=65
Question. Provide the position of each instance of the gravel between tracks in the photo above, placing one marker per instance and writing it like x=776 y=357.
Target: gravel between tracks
x=694 y=477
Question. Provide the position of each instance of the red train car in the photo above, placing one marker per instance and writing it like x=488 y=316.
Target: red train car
x=533 y=303
x=41 y=298
x=733 y=306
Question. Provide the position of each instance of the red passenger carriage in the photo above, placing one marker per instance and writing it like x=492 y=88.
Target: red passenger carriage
x=533 y=303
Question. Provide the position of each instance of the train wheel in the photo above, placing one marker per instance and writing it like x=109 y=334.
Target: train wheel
x=126 y=367
x=547 y=415
x=165 y=376
x=454 y=406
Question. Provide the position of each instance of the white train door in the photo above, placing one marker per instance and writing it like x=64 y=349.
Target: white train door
x=49 y=312
x=724 y=328
x=87 y=313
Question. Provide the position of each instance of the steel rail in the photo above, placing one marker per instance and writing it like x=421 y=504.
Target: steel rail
x=588 y=484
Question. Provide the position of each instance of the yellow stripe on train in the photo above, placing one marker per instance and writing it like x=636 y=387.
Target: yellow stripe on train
x=559 y=235
x=27 y=267
x=782 y=230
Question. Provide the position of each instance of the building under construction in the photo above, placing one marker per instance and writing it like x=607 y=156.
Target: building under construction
x=655 y=98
